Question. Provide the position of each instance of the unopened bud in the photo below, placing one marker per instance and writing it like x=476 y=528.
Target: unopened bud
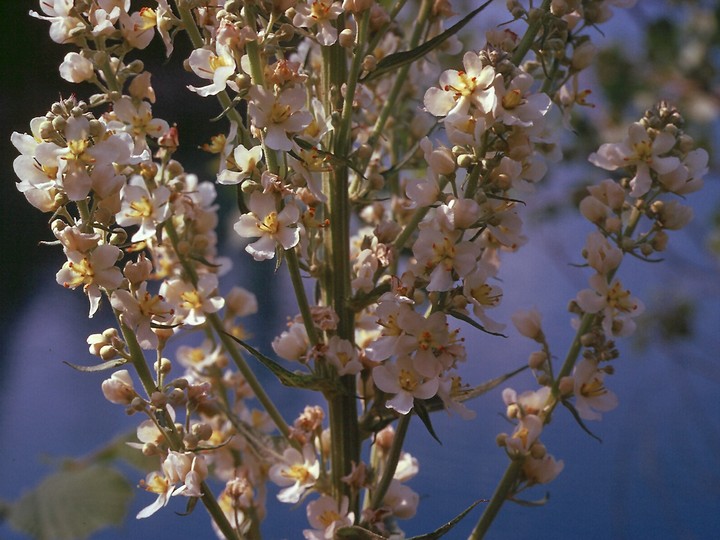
x=191 y=441
x=369 y=63
x=346 y=38
x=537 y=359
x=538 y=450
x=158 y=399
x=202 y=431
x=384 y=438
x=566 y=386
x=119 y=388
x=464 y=161
x=149 y=449
x=107 y=352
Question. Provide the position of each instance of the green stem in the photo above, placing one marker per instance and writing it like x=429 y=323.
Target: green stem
x=342 y=405
x=401 y=80
x=137 y=357
x=500 y=495
x=138 y=360
x=196 y=39
x=297 y=283
x=229 y=344
x=392 y=461
x=513 y=469
x=217 y=514
x=249 y=376
x=528 y=38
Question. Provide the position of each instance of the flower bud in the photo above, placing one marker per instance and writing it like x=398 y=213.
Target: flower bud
x=119 y=388
x=384 y=438
x=108 y=352
x=566 y=386
x=538 y=450
x=346 y=38
x=528 y=324
x=537 y=359
x=369 y=63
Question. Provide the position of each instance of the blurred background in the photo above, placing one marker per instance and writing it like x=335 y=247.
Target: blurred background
x=654 y=475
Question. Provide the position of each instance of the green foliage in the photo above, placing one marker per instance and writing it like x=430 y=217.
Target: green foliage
x=72 y=504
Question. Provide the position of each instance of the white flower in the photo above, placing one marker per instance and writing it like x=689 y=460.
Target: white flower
x=76 y=68
x=343 y=355
x=401 y=500
x=296 y=473
x=280 y=115
x=600 y=254
x=542 y=470
x=92 y=270
x=326 y=516
x=403 y=380
x=615 y=303
x=191 y=303
x=293 y=343
x=216 y=67
x=143 y=208
x=442 y=258
x=526 y=433
x=461 y=89
x=640 y=151
x=528 y=323
x=119 y=388
x=246 y=161
x=319 y=13
x=139 y=311
x=271 y=226
x=591 y=396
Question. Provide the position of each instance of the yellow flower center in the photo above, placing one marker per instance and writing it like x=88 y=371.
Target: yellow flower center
x=328 y=517
x=191 y=299
x=77 y=151
x=643 y=151
x=279 y=113
x=141 y=208
x=150 y=305
x=465 y=86
x=512 y=99
x=407 y=379
x=619 y=299
x=218 y=62
x=84 y=273
x=148 y=17
x=270 y=224
x=157 y=484
x=319 y=10
x=299 y=473
x=593 y=388
x=483 y=295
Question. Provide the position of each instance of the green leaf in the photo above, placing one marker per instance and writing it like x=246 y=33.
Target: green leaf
x=394 y=61
x=436 y=404
x=118 y=449
x=285 y=376
x=442 y=531
x=72 y=504
x=189 y=507
x=357 y=533
x=423 y=414
x=532 y=504
x=576 y=415
x=110 y=364
x=473 y=323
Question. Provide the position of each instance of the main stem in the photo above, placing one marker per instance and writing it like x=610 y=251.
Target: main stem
x=342 y=405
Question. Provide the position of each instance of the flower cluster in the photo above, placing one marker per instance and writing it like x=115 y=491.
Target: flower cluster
x=400 y=215
x=632 y=214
